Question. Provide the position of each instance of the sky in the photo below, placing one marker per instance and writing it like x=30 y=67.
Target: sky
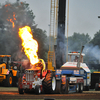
x=83 y=15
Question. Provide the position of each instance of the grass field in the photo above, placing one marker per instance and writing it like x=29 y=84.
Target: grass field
x=8 y=89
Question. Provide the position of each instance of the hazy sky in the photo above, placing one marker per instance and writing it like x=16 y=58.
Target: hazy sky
x=83 y=15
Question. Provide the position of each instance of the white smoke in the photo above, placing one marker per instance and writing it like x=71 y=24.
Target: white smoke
x=93 y=52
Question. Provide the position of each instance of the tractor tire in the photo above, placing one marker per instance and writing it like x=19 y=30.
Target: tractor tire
x=77 y=88
x=37 y=89
x=49 y=83
x=96 y=87
x=80 y=87
x=20 y=91
x=58 y=86
x=8 y=81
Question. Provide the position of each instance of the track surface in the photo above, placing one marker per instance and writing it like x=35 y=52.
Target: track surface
x=12 y=93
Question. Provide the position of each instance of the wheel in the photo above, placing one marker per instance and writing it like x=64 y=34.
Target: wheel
x=67 y=86
x=96 y=87
x=20 y=91
x=63 y=88
x=15 y=82
x=26 y=91
x=49 y=83
x=37 y=89
x=77 y=88
x=58 y=86
x=80 y=88
x=8 y=81
x=86 y=88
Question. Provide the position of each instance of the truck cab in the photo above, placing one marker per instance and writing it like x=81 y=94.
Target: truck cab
x=87 y=73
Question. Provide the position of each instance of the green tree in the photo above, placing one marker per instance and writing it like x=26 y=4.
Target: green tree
x=12 y=17
x=77 y=40
x=92 y=50
x=96 y=39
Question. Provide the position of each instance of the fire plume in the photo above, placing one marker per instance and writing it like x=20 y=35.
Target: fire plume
x=29 y=45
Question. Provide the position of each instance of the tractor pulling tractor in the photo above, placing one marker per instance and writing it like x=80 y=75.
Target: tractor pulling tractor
x=71 y=77
x=37 y=78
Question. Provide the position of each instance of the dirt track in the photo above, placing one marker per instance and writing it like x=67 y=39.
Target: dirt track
x=12 y=93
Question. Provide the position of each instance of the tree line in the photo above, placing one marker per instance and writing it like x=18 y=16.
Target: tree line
x=22 y=15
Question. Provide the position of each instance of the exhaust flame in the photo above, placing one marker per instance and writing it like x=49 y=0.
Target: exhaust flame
x=29 y=45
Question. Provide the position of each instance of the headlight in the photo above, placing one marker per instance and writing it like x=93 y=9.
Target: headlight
x=15 y=67
x=88 y=77
x=3 y=67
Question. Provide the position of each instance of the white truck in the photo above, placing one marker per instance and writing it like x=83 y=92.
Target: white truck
x=87 y=73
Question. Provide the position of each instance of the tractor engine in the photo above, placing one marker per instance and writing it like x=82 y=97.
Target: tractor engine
x=32 y=78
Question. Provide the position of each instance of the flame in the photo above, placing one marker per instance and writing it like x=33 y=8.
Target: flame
x=10 y=19
x=7 y=5
x=29 y=45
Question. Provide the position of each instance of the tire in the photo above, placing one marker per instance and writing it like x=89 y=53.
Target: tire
x=77 y=88
x=58 y=86
x=63 y=88
x=67 y=86
x=8 y=81
x=37 y=89
x=96 y=87
x=86 y=88
x=26 y=91
x=15 y=82
x=80 y=87
x=20 y=91
x=49 y=83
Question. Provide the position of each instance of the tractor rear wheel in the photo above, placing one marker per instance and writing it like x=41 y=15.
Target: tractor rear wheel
x=49 y=83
